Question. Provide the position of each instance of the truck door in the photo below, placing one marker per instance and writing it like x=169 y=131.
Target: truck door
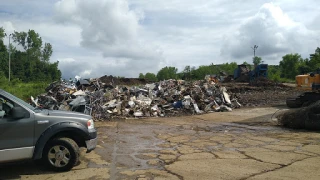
x=16 y=135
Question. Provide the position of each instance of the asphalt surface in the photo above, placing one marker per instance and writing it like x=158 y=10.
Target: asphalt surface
x=243 y=144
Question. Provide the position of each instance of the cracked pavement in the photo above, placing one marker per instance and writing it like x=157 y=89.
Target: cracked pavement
x=243 y=144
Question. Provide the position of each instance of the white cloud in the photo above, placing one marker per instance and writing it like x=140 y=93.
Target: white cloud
x=8 y=26
x=123 y=38
x=112 y=28
x=272 y=30
x=66 y=60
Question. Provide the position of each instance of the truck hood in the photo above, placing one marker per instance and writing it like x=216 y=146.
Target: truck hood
x=62 y=114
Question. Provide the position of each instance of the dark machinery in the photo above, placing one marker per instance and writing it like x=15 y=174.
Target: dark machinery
x=244 y=74
x=261 y=70
x=241 y=74
x=310 y=83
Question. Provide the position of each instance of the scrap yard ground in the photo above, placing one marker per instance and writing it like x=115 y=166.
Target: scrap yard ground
x=243 y=144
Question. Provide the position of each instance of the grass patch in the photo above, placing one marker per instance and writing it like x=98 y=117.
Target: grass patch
x=284 y=80
x=24 y=90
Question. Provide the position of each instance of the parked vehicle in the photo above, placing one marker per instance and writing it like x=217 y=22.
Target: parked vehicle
x=50 y=136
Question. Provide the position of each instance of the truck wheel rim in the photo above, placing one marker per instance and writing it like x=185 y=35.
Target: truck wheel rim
x=59 y=156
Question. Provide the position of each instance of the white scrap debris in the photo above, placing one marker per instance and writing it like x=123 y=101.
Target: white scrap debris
x=225 y=95
x=79 y=93
x=138 y=114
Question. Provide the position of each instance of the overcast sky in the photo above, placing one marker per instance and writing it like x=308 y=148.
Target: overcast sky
x=92 y=38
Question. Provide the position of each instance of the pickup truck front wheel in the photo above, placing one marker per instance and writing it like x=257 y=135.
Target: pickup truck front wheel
x=61 y=154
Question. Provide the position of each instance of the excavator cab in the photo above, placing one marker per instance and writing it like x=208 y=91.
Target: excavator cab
x=309 y=82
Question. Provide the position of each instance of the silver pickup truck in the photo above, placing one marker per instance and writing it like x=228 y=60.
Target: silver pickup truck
x=48 y=136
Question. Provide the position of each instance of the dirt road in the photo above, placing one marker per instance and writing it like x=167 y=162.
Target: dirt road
x=243 y=144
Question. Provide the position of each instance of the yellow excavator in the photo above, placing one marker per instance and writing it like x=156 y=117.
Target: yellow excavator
x=310 y=84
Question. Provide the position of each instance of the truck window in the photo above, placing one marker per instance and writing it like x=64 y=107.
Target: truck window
x=6 y=106
x=20 y=101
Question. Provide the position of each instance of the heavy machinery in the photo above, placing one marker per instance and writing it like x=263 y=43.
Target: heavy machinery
x=241 y=74
x=310 y=83
x=244 y=74
x=260 y=70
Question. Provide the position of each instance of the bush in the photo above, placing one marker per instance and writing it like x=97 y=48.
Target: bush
x=24 y=90
x=14 y=82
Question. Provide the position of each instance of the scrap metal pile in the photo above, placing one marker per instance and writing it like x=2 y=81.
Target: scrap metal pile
x=165 y=98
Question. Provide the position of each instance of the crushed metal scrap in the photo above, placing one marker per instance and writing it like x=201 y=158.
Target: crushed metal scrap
x=165 y=98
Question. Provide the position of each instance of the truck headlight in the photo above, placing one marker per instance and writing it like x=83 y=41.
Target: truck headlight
x=90 y=124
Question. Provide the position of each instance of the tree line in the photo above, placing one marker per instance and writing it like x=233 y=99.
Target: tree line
x=289 y=67
x=30 y=58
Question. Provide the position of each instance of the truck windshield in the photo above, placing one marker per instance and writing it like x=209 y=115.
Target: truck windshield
x=20 y=101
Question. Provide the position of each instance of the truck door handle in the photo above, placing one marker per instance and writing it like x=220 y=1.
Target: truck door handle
x=43 y=122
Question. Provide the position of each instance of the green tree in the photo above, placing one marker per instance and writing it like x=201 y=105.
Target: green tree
x=314 y=61
x=3 y=53
x=289 y=65
x=274 y=73
x=202 y=71
x=21 y=39
x=229 y=67
x=32 y=63
x=187 y=73
x=141 y=76
x=246 y=63
x=304 y=68
x=151 y=77
x=46 y=52
x=192 y=71
x=53 y=71
x=256 y=60
x=2 y=33
x=167 y=73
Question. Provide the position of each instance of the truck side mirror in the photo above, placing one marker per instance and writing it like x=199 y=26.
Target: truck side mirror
x=312 y=75
x=18 y=112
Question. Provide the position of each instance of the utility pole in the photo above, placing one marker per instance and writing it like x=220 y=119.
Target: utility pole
x=9 y=56
x=255 y=47
x=9 y=49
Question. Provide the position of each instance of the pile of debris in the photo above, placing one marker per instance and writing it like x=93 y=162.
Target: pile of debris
x=165 y=98
x=265 y=82
x=123 y=81
x=303 y=118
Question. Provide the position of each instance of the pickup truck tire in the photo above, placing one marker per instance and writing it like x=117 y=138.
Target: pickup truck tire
x=61 y=154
